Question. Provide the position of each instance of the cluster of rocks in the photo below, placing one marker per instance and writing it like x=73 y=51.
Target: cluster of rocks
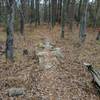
x=48 y=55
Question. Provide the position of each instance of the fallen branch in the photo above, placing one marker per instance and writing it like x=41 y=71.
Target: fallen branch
x=95 y=74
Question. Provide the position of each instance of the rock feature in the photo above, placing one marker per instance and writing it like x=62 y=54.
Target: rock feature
x=16 y=92
x=48 y=55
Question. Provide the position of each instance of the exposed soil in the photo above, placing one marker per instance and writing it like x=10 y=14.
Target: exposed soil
x=69 y=80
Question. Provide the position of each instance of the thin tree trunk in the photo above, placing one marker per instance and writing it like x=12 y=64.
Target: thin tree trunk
x=37 y=13
x=51 y=16
x=96 y=13
x=67 y=11
x=45 y=10
x=79 y=12
x=22 y=17
x=10 y=29
x=0 y=10
x=22 y=23
x=32 y=12
x=49 y=12
x=59 y=11
x=63 y=17
x=71 y=14
x=83 y=21
x=53 y=12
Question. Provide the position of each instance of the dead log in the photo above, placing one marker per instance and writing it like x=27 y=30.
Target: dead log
x=95 y=74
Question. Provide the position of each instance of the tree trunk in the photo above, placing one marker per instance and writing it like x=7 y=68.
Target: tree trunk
x=53 y=12
x=22 y=23
x=22 y=17
x=59 y=11
x=83 y=21
x=79 y=12
x=0 y=10
x=10 y=29
x=67 y=11
x=63 y=17
x=49 y=12
x=45 y=10
x=37 y=13
x=96 y=13
x=51 y=16
x=32 y=12
x=71 y=13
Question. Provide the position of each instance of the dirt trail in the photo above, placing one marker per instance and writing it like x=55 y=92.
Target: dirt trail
x=67 y=81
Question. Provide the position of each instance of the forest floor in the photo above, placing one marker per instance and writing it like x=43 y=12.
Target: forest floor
x=69 y=80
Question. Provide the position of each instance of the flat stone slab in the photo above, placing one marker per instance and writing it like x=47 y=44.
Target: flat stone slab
x=16 y=92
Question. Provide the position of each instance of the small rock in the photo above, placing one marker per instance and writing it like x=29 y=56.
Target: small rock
x=41 y=45
x=57 y=53
x=16 y=92
x=48 y=45
x=42 y=53
x=25 y=52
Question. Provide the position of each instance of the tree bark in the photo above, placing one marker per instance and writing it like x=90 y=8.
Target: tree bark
x=37 y=13
x=22 y=17
x=49 y=12
x=45 y=11
x=10 y=29
x=63 y=17
x=71 y=13
x=32 y=12
x=79 y=12
x=53 y=12
x=83 y=21
x=0 y=10
x=59 y=11
x=96 y=14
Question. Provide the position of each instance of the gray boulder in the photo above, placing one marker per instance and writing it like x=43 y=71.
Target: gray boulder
x=16 y=92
